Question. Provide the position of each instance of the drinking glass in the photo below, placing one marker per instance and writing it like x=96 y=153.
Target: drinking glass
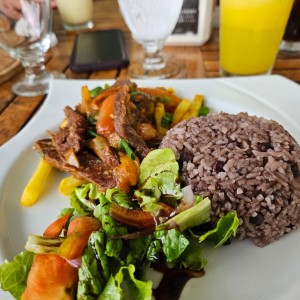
x=151 y=22
x=250 y=35
x=25 y=35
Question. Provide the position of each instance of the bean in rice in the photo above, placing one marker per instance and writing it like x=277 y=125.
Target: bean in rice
x=243 y=163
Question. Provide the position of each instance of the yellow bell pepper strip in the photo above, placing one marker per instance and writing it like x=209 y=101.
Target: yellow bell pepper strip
x=159 y=112
x=194 y=109
x=86 y=100
x=127 y=172
x=180 y=110
x=36 y=184
x=68 y=185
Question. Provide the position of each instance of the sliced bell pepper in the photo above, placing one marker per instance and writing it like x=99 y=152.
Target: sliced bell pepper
x=159 y=113
x=105 y=122
x=127 y=173
x=68 y=185
x=36 y=184
x=194 y=109
x=180 y=110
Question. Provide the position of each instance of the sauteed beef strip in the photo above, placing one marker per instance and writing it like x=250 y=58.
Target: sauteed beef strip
x=90 y=167
x=123 y=123
x=124 y=81
x=73 y=136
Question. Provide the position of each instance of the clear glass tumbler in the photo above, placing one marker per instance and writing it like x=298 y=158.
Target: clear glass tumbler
x=25 y=35
x=151 y=22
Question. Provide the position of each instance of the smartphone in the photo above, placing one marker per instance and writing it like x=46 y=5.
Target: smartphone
x=99 y=50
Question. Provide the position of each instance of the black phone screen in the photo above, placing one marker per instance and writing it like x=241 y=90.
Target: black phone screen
x=99 y=50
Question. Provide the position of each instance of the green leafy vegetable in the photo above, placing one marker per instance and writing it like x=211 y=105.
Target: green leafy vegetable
x=94 y=271
x=156 y=162
x=226 y=227
x=192 y=256
x=110 y=226
x=85 y=198
x=138 y=290
x=13 y=275
x=194 y=216
x=173 y=243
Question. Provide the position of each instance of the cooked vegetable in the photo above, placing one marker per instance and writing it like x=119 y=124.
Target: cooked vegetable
x=180 y=110
x=126 y=173
x=194 y=109
x=68 y=185
x=158 y=115
x=105 y=122
x=227 y=226
x=35 y=186
x=125 y=147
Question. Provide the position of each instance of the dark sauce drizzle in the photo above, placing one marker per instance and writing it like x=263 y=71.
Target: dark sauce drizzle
x=173 y=282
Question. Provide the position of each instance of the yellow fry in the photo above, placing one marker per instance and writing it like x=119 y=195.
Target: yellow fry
x=194 y=109
x=180 y=110
x=68 y=185
x=36 y=184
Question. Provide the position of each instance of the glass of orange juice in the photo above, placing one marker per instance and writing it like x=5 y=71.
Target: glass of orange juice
x=250 y=35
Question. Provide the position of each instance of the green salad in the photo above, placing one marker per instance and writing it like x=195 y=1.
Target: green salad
x=114 y=262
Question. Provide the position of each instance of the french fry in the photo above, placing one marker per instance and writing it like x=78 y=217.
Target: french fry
x=194 y=109
x=180 y=110
x=68 y=185
x=36 y=184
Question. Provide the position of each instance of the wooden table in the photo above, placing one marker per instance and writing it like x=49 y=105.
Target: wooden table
x=196 y=62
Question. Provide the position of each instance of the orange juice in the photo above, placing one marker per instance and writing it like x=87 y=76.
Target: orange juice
x=250 y=34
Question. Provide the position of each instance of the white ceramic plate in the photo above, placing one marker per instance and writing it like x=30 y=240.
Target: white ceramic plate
x=240 y=271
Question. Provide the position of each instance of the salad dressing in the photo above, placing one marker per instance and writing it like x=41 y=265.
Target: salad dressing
x=173 y=281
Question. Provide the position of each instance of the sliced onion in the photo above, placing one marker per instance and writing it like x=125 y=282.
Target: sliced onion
x=76 y=263
x=188 y=199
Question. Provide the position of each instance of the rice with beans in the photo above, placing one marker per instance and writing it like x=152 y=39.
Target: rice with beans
x=243 y=163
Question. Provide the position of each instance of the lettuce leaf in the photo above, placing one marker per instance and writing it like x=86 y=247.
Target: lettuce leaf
x=171 y=243
x=158 y=180
x=191 y=258
x=194 y=216
x=85 y=198
x=138 y=289
x=225 y=228
x=157 y=161
x=110 y=226
x=13 y=275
